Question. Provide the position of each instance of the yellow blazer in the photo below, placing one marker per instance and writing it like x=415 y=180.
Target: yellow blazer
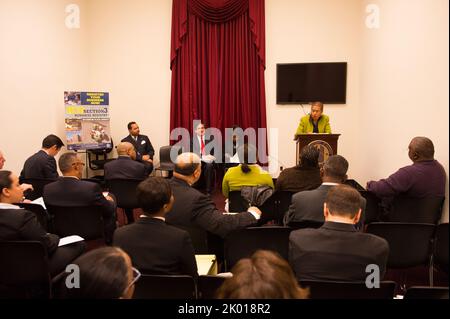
x=306 y=127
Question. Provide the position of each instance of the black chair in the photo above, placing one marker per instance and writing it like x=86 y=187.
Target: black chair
x=348 y=290
x=373 y=207
x=208 y=285
x=305 y=224
x=41 y=214
x=426 y=210
x=84 y=221
x=284 y=201
x=97 y=158
x=423 y=292
x=440 y=254
x=24 y=270
x=236 y=203
x=165 y=162
x=38 y=187
x=355 y=185
x=243 y=243
x=125 y=192
x=269 y=211
x=165 y=287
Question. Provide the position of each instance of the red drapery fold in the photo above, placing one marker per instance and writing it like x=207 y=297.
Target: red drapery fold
x=218 y=62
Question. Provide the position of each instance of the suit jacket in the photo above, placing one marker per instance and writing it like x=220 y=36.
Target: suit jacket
x=143 y=146
x=306 y=127
x=40 y=165
x=336 y=251
x=195 y=146
x=125 y=168
x=308 y=206
x=20 y=224
x=70 y=192
x=192 y=208
x=157 y=248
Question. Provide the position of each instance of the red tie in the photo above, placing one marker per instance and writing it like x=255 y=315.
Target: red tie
x=202 y=146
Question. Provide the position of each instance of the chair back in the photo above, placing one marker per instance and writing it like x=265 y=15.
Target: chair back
x=165 y=287
x=373 y=209
x=236 y=202
x=208 y=285
x=41 y=214
x=441 y=247
x=38 y=187
x=84 y=221
x=347 y=290
x=243 y=243
x=165 y=161
x=125 y=192
x=409 y=244
x=425 y=292
x=426 y=210
x=24 y=270
x=97 y=158
x=284 y=201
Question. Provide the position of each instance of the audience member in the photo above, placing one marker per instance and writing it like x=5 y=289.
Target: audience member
x=336 y=251
x=303 y=177
x=308 y=205
x=71 y=191
x=105 y=273
x=42 y=165
x=425 y=177
x=192 y=208
x=125 y=166
x=17 y=224
x=154 y=246
x=249 y=173
x=142 y=145
x=265 y=275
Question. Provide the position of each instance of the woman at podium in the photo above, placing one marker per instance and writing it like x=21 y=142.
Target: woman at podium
x=315 y=122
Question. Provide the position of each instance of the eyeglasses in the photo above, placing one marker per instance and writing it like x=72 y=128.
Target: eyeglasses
x=136 y=276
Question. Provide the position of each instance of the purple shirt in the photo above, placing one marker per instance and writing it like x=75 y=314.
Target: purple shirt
x=421 y=179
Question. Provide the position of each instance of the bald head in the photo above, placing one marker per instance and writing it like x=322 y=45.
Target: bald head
x=187 y=163
x=421 y=149
x=126 y=149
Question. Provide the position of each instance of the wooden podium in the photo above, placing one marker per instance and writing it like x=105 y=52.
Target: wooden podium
x=326 y=143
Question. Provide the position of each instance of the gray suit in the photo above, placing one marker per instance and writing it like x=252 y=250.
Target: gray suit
x=308 y=205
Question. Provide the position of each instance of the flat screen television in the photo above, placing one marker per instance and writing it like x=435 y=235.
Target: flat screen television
x=299 y=83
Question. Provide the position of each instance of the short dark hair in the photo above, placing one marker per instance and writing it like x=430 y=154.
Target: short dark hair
x=336 y=167
x=5 y=180
x=52 y=140
x=343 y=200
x=309 y=156
x=66 y=160
x=130 y=125
x=319 y=104
x=103 y=275
x=152 y=194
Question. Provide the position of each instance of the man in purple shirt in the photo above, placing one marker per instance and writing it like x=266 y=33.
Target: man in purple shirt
x=424 y=178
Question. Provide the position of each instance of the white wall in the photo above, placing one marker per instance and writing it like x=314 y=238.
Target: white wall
x=397 y=78
x=404 y=86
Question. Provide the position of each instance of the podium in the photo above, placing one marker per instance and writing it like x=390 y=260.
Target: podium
x=326 y=144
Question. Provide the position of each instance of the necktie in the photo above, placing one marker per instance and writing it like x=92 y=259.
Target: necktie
x=202 y=146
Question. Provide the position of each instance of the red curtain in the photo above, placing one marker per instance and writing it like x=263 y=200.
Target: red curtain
x=218 y=63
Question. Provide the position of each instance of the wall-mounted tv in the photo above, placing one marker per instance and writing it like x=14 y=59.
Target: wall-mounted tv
x=299 y=83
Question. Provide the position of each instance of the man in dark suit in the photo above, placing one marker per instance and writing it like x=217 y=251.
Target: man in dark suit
x=194 y=209
x=153 y=246
x=142 y=145
x=308 y=205
x=71 y=191
x=17 y=224
x=199 y=146
x=125 y=166
x=336 y=251
x=42 y=165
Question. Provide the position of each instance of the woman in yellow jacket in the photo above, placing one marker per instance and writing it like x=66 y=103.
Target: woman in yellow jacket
x=316 y=122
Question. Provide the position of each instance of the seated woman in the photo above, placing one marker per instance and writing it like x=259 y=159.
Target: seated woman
x=249 y=173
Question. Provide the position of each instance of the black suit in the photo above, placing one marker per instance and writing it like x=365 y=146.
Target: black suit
x=125 y=168
x=41 y=166
x=337 y=252
x=308 y=206
x=72 y=192
x=20 y=224
x=143 y=146
x=207 y=167
x=157 y=248
x=192 y=208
